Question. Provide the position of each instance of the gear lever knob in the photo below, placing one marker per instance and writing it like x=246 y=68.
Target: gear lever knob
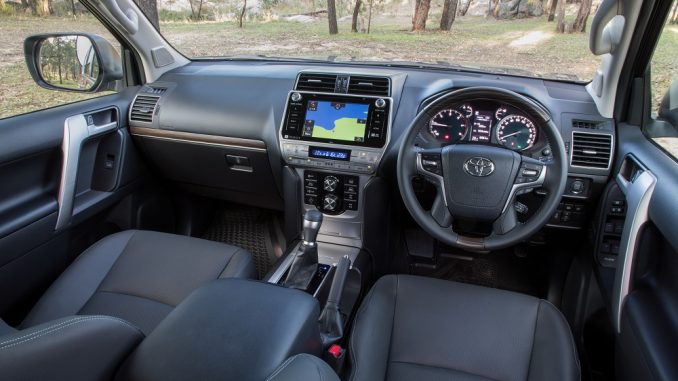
x=311 y=225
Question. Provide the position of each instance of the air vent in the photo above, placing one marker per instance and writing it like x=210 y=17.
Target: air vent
x=590 y=125
x=154 y=90
x=369 y=85
x=143 y=108
x=591 y=150
x=317 y=82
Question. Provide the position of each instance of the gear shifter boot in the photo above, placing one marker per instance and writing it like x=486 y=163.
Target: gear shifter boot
x=305 y=263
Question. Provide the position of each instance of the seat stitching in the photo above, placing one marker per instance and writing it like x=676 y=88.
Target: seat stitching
x=567 y=324
x=534 y=334
x=441 y=367
x=281 y=367
x=390 y=339
x=109 y=270
x=133 y=295
x=228 y=262
x=63 y=325
x=365 y=304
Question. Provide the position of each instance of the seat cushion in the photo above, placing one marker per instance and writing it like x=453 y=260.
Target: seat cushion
x=428 y=329
x=139 y=276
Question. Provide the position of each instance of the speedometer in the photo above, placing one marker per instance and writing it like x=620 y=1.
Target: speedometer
x=516 y=132
x=448 y=125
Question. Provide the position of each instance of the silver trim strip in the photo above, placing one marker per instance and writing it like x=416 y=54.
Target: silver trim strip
x=534 y=184
x=209 y=144
x=76 y=131
x=438 y=178
x=638 y=194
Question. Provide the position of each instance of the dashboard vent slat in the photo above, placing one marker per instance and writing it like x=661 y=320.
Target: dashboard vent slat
x=364 y=85
x=587 y=124
x=317 y=82
x=591 y=150
x=144 y=108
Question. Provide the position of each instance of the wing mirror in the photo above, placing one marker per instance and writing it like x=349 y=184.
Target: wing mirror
x=73 y=62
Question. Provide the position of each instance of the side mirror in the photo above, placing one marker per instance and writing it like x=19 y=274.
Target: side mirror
x=73 y=62
x=668 y=109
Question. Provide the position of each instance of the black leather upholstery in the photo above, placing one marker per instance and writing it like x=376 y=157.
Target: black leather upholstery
x=72 y=348
x=138 y=276
x=230 y=329
x=414 y=328
x=303 y=367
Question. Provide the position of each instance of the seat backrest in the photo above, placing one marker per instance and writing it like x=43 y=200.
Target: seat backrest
x=72 y=348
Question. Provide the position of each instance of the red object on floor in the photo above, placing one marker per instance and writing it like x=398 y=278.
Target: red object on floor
x=335 y=350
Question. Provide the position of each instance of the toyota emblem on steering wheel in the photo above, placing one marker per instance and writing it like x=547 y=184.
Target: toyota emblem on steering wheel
x=479 y=166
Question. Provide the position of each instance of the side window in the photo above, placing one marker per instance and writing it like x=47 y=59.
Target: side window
x=663 y=126
x=19 y=93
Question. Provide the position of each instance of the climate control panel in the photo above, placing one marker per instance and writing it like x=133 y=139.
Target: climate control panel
x=331 y=193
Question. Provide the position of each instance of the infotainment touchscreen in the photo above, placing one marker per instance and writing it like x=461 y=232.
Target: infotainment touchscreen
x=335 y=120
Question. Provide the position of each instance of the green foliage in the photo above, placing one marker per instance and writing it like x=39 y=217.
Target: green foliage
x=165 y=15
x=6 y=9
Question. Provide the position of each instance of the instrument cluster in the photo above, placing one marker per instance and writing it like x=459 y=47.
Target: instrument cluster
x=483 y=121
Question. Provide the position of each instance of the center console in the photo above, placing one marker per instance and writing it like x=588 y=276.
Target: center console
x=333 y=135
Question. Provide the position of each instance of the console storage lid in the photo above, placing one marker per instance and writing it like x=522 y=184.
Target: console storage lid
x=230 y=329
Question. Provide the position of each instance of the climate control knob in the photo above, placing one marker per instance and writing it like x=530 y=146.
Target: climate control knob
x=330 y=202
x=330 y=183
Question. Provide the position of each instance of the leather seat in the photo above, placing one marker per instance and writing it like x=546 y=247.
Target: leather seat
x=414 y=328
x=138 y=276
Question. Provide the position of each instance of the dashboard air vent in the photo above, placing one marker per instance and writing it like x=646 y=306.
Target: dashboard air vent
x=317 y=82
x=591 y=150
x=154 y=90
x=143 y=108
x=369 y=85
x=588 y=124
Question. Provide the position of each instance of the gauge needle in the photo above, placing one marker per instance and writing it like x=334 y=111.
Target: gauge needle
x=511 y=134
x=439 y=124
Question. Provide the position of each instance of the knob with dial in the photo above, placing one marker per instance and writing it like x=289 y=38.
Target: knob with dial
x=380 y=103
x=296 y=97
x=330 y=183
x=330 y=202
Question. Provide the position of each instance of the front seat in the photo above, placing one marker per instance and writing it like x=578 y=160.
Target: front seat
x=138 y=276
x=415 y=328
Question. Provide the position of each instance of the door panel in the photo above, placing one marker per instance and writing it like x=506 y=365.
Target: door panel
x=59 y=167
x=647 y=325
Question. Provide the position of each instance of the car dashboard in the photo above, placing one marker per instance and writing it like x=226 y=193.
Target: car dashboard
x=256 y=132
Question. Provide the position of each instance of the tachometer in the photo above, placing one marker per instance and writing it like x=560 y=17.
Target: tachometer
x=516 y=132
x=448 y=125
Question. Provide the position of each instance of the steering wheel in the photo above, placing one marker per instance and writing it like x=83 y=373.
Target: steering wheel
x=479 y=182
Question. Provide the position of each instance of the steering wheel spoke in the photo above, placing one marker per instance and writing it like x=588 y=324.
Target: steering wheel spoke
x=439 y=211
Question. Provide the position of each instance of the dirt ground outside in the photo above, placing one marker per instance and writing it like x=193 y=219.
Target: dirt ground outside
x=529 y=45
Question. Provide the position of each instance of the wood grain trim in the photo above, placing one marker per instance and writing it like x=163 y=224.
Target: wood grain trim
x=191 y=137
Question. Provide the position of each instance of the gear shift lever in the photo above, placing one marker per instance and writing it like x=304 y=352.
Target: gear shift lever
x=305 y=263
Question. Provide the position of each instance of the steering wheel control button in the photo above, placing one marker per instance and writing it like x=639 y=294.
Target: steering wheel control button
x=530 y=173
x=432 y=163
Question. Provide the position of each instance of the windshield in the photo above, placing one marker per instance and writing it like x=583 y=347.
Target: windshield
x=523 y=37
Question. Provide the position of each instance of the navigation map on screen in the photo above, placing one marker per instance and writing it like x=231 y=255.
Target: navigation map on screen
x=336 y=120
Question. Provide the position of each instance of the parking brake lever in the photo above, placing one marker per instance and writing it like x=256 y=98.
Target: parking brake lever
x=331 y=319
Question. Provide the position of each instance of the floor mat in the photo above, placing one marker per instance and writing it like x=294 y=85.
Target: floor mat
x=498 y=270
x=251 y=228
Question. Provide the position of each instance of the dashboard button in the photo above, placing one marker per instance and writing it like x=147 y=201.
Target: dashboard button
x=310 y=200
x=351 y=205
